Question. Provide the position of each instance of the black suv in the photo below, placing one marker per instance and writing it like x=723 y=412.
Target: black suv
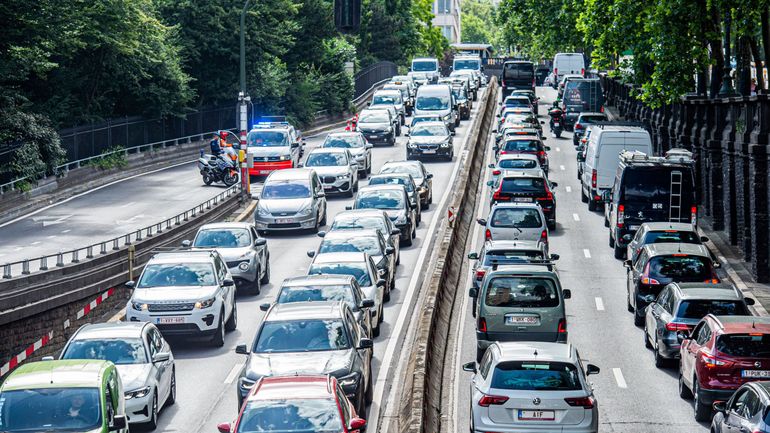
x=517 y=75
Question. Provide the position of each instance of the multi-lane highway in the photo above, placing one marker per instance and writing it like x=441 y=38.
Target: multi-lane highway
x=633 y=395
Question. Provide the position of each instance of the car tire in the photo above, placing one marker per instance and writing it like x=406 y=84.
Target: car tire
x=369 y=389
x=647 y=338
x=583 y=196
x=398 y=259
x=430 y=197
x=611 y=241
x=660 y=362
x=171 y=399
x=414 y=232
x=629 y=307
x=255 y=287
x=606 y=221
x=369 y=167
x=218 y=339
x=592 y=204
x=376 y=330
x=408 y=241
x=386 y=295
x=232 y=322
x=620 y=252
x=638 y=320
x=152 y=424
x=266 y=277
x=684 y=391
x=702 y=411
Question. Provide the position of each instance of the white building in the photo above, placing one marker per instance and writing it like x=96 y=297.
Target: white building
x=447 y=18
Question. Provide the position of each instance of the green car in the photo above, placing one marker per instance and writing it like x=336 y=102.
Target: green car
x=63 y=396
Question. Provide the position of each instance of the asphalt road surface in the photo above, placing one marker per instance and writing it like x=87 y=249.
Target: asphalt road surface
x=633 y=395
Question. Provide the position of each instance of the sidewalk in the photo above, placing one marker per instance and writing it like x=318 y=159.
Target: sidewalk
x=733 y=267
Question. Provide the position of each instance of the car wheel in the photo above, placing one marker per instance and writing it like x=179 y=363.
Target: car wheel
x=612 y=241
x=153 y=422
x=638 y=320
x=583 y=196
x=386 y=295
x=620 y=252
x=171 y=399
x=684 y=391
x=628 y=303
x=606 y=221
x=592 y=204
x=376 y=330
x=430 y=197
x=323 y=220
x=369 y=389
x=702 y=410
x=266 y=276
x=255 y=287
x=647 y=338
x=408 y=241
x=660 y=361
x=369 y=167
x=218 y=340
x=398 y=259
x=232 y=322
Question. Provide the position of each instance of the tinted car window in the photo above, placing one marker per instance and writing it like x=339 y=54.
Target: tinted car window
x=510 y=256
x=380 y=200
x=357 y=270
x=523 y=184
x=682 y=268
x=536 y=376
x=323 y=159
x=522 y=146
x=697 y=309
x=362 y=244
x=316 y=294
x=518 y=71
x=266 y=139
x=222 y=238
x=120 y=352
x=424 y=66
x=466 y=64
x=671 y=236
x=342 y=142
x=285 y=190
x=744 y=345
x=521 y=292
x=581 y=92
x=513 y=217
x=517 y=163
x=33 y=410
x=290 y=416
x=591 y=118
x=392 y=181
x=177 y=274
x=302 y=336
x=644 y=186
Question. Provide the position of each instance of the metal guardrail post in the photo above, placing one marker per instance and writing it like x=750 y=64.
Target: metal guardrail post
x=131 y=260
x=59 y=260
x=90 y=252
x=44 y=263
x=149 y=232
x=25 y=267
x=192 y=211
x=138 y=235
x=75 y=256
x=127 y=239
x=115 y=245
x=6 y=272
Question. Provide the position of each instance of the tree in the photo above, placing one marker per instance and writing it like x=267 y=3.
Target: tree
x=479 y=25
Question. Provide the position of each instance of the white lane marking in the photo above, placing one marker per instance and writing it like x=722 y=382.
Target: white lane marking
x=51 y=220
x=619 y=378
x=586 y=253
x=35 y=243
x=129 y=204
x=66 y=231
x=51 y=237
x=576 y=217
x=234 y=372
x=722 y=259
x=18 y=248
x=558 y=149
x=561 y=167
x=599 y=303
x=568 y=188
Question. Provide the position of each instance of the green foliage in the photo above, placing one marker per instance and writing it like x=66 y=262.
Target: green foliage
x=390 y=30
x=114 y=157
x=480 y=25
x=540 y=28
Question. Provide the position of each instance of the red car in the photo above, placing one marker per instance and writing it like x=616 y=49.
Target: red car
x=721 y=354
x=296 y=404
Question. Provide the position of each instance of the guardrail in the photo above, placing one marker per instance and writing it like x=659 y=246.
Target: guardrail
x=41 y=264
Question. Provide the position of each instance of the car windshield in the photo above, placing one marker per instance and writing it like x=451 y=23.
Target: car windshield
x=420 y=119
x=511 y=256
x=424 y=66
x=412 y=169
x=123 y=351
x=523 y=184
x=374 y=116
x=427 y=130
x=521 y=146
x=324 y=159
x=302 y=336
x=681 y=268
x=177 y=274
x=295 y=415
x=354 y=223
x=284 y=190
x=387 y=199
x=317 y=293
x=697 y=309
x=516 y=102
x=753 y=345
x=521 y=292
x=355 y=244
x=267 y=139
x=517 y=163
x=466 y=64
x=671 y=236
x=524 y=218
x=222 y=238
x=536 y=376
x=385 y=99
x=382 y=180
x=344 y=142
x=356 y=270
x=432 y=103
x=50 y=409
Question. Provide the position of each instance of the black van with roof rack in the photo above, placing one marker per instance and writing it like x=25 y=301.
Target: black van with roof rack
x=517 y=75
x=649 y=189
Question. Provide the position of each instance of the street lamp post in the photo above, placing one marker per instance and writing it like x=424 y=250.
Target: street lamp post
x=243 y=101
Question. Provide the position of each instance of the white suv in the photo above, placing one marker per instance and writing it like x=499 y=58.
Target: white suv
x=186 y=293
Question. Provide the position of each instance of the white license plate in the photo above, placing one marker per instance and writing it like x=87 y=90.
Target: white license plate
x=536 y=415
x=756 y=373
x=374 y=136
x=429 y=151
x=327 y=187
x=522 y=320
x=169 y=320
x=284 y=220
x=556 y=124
x=523 y=199
x=265 y=171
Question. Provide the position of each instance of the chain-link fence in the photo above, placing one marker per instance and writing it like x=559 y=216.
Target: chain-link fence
x=373 y=74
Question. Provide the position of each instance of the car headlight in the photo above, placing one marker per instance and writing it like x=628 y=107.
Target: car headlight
x=137 y=393
x=261 y=211
x=305 y=211
x=448 y=117
x=246 y=383
x=343 y=176
x=445 y=144
x=411 y=145
x=401 y=219
x=244 y=266
x=349 y=380
x=139 y=306
x=205 y=303
x=284 y=157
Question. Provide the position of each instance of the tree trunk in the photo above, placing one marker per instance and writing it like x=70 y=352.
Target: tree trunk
x=714 y=33
x=702 y=72
x=743 y=74
x=766 y=33
x=758 y=65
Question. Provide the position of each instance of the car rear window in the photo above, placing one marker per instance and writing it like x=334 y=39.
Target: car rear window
x=317 y=293
x=521 y=292
x=648 y=186
x=517 y=163
x=525 y=218
x=592 y=119
x=579 y=92
x=697 y=309
x=536 y=376
x=523 y=184
x=522 y=146
x=681 y=268
x=511 y=256
x=671 y=236
x=753 y=345
x=518 y=71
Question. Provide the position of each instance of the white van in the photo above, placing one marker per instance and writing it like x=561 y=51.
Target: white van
x=602 y=156
x=437 y=100
x=568 y=63
x=428 y=66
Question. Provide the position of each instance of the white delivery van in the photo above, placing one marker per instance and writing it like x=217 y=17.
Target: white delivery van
x=605 y=143
x=568 y=63
x=437 y=100
x=428 y=66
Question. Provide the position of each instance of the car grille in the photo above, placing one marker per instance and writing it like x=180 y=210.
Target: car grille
x=284 y=226
x=187 y=306
x=283 y=214
x=328 y=179
x=178 y=328
x=267 y=158
x=428 y=146
x=235 y=263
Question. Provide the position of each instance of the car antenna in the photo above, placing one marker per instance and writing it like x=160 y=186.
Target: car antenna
x=679 y=247
x=535 y=352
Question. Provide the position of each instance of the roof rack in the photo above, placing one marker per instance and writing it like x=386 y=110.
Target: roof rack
x=672 y=156
x=536 y=262
x=619 y=123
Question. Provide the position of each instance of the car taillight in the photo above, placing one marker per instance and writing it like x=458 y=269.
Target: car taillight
x=584 y=402
x=496 y=172
x=548 y=196
x=482 y=324
x=593 y=178
x=646 y=276
x=487 y=400
x=582 y=71
x=601 y=109
x=480 y=274
x=541 y=156
x=497 y=196
x=488 y=235
x=578 y=126
x=503 y=152
x=710 y=361
x=694 y=215
x=621 y=215
x=673 y=326
x=544 y=236
x=556 y=71
x=562 y=329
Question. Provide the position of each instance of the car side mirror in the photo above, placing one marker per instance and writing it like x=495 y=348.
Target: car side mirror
x=704 y=239
x=223 y=427
x=566 y=293
x=495 y=148
x=547 y=147
x=406 y=134
x=490 y=183
x=380 y=283
x=429 y=176
x=627 y=263
x=395 y=232
x=365 y=343
x=118 y=422
x=470 y=367
x=300 y=165
x=592 y=369
x=490 y=166
x=295 y=145
x=264 y=307
x=554 y=184
x=227 y=282
x=542 y=122
x=260 y=242
x=348 y=207
x=161 y=357
x=356 y=424
x=186 y=243
x=494 y=131
x=129 y=284
x=682 y=335
x=498 y=115
x=320 y=194
x=473 y=256
x=719 y=406
x=321 y=234
x=473 y=292
x=749 y=301
x=555 y=257
x=452 y=133
x=390 y=250
x=367 y=303
x=369 y=146
x=310 y=253
x=627 y=238
x=649 y=298
x=481 y=221
x=241 y=349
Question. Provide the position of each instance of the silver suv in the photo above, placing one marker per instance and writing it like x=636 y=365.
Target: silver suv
x=358 y=147
x=242 y=248
x=185 y=293
x=291 y=199
x=515 y=221
x=336 y=168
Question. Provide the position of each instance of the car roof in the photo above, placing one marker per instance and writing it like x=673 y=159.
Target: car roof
x=226 y=225
x=661 y=226
x=375 y=109
x=387 y=92
x=426 y=116
x=592 y=113
x=536 y=351
x=290 y=174
x=721 y=291
x=401 y=174
x=346 y=257
x=670 y=248
x=66 y=373
x=298 y=387
x=525 y=268
x=111 y=330
x=522 y=173
x=501 y=205
x=315 y=310
x=356 y=213
x=381 y=187
x=344 y=134
x=513 y=245
x=516 y=96
x=186 y=256
x=417 y=163
x=517 y=155
x=743 y=324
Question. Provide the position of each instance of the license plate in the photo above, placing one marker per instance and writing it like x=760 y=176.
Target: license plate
x=374 y=136
x=429 y=151
x=536 y=415
x=556 y=124
x=284 y=220
x=169 y=320
x=522 y=320
x=523 y=199
x=327 y=187
x=265 y=171
x=756 y=373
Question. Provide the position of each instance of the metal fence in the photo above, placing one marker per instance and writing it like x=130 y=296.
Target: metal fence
x=372 y=75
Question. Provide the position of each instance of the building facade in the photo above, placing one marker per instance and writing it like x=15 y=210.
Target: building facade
x=447 y=18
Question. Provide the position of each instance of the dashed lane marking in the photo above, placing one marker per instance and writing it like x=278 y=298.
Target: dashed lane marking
x=234 y=372
x=576 y=217
x=561 y=167
x=599 y=304
x=558 y=149
x=66 y=231
x=586 y=253
x=568 y=188
x=619 y=378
